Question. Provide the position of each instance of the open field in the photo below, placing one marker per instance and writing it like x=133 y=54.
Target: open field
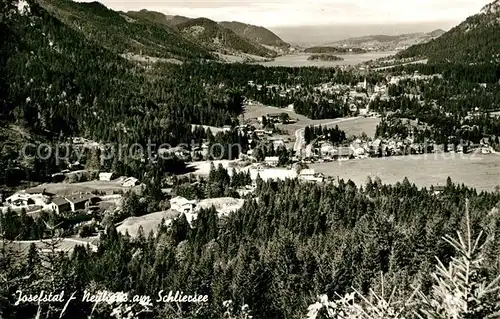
x=479 y=171
x=64 y=244
x=149 y=222
x=360 y=125
x=356 y=126
x=223 y=205
x=107 y=187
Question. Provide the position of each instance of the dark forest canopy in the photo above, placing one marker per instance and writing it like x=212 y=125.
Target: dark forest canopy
x=122 y=34
x=300 y=240
x=474 y=41
x=324 y=57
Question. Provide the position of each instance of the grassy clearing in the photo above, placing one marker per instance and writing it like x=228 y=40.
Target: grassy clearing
x=354 y=127
x=359 y=126
x=479 y=171
x=84 y=187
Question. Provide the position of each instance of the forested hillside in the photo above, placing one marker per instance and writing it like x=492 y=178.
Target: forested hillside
x=255 y=33
x=389 y=42
x=158 y=17
x=219 y=38
x=276 y=255
x=57 y=83
x=121 y=33
x=474 y=40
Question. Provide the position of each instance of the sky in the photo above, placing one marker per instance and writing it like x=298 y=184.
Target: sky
x=289 y=13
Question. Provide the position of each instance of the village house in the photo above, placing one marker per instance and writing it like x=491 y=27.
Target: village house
x=169 y=152
x=182 y=204
x=260 y=133
x=307 y=172
x=437 y=190
x=73 y=203
x=313 y=179
x=60 y=205
x=275 y=118
x=80 y=202
x=130 y=182
x=28 y=197
x=105 y=176
x=272 y=160
x=76 y=166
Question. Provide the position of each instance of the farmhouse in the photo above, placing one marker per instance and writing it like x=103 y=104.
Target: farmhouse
x=28 y=198
x=272 y=160
x=182 y=204
x=79 y=202
x=76 y=166
x=307 y=173
x=438 y=189
x=314 y=179
x=104 y=176
x=177 y=151
x=274 y=117
x=60 y=205
x=130 y=182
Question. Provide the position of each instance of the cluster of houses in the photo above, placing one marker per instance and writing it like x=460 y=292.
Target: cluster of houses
x=416 y=76
x=125 y=182
x=325 y=151
x=281 y=89
x=35 y=201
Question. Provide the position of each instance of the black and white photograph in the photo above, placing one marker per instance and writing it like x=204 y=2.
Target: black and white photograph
x=250 y=159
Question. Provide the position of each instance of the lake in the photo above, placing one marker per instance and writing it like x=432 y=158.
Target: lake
x=299 y=60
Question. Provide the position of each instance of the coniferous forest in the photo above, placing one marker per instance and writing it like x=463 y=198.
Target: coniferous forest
x=276 y=254
x=294 y=250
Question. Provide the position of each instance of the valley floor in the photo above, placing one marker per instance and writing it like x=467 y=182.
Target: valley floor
x=474 y=170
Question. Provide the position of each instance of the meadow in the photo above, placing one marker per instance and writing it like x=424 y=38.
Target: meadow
x=474 y=170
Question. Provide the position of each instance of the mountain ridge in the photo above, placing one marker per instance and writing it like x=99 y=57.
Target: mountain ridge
x=389 y=42
x=253 y=33
x=216 y=37
x=121 y=33
x=473 y=40
x=158 y=17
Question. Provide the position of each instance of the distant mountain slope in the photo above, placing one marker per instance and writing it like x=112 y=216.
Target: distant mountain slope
x=221 y=39
x=123 y=34
x=477 y=39
x=255 y=33
x=158 y=17
x=334 y=50
x=389 y=42
x=69 y=85
x=174 y=20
